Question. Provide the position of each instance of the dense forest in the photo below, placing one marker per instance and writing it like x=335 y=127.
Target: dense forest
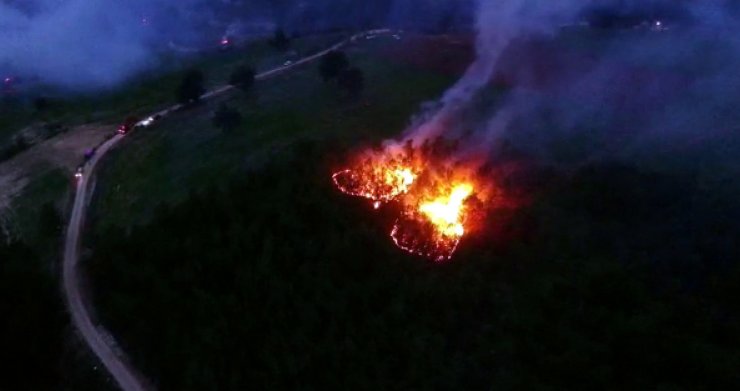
x=607 y=278
x=34 y=321
x=38 y=350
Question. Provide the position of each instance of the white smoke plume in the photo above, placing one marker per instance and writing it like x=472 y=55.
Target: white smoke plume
x=499 y=22
x=84 y=44
x=652 y=91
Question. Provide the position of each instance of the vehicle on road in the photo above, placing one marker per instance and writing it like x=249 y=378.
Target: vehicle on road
x=79 y=173
x=127 y=125
x=147 y=121
x=89 y=153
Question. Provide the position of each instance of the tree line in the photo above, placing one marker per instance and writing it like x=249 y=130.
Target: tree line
x=334 y=69
x=39 y=350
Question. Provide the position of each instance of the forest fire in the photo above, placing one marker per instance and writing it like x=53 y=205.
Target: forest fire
x=437 y=199
x=433 y=222
x=445 y=212
x=380 y=179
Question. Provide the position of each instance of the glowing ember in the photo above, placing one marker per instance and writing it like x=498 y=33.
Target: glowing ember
x=416 y=237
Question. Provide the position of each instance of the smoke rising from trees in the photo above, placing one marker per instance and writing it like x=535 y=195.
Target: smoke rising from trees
x=649 y=87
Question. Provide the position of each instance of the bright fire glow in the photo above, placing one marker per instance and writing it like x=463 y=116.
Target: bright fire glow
x=445 y=212
x=434 y=210
x=433 y=220
x=380 y=183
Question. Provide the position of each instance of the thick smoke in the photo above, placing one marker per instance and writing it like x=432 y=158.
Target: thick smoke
x=642 y=88
x=499 y=24
x=93 y=44
x=84 y=44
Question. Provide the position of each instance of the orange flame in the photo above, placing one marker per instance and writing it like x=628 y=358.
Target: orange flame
x=434 y=212
x=444 y=212
x=433 y=220
x=380 y=180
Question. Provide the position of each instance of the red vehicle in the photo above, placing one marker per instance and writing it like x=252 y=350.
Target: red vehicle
x=127 y=125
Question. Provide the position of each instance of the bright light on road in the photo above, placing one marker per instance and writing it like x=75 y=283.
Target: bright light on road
x=147 y=122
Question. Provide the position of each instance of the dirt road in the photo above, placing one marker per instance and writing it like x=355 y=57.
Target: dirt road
x=104 y=347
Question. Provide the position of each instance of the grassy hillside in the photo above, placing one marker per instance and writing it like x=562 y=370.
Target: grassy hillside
x=160 y=164
x=142 y=94
x=186 y=152
x=50 y=183
x=280 y=282
x=228 y=260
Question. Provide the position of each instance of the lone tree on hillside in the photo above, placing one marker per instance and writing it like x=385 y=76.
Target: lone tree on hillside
x=191 y=88
x=242 y=78
x=226 y=118
x=333 y=64
x=352 y=80
x=41 y=104
x=280 y=41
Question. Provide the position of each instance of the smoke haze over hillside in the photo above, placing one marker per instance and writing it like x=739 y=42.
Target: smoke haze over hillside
x=92 y=44
x=664 y=86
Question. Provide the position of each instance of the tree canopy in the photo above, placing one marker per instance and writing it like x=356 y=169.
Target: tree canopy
x=242 y=78
x=332 y=65
x=280 y=41
x=37 y=350
x=226 y=118
x=352 y=81
x=279 y=282
x=191 y=87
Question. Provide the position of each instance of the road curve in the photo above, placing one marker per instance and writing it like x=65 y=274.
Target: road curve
x=102 y=346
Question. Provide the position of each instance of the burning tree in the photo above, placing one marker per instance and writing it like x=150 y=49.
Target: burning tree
x=380 y=177
x=439 y=196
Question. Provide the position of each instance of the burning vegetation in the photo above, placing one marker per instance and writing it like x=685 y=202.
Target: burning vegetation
x=379 y=177
x=440 y=197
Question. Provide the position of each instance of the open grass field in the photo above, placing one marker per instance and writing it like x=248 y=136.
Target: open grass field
x=187 y=153
x=44 y=171
x=143 y=94
x=50 y=187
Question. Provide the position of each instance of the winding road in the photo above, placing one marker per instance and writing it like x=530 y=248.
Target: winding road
x=102 y=344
